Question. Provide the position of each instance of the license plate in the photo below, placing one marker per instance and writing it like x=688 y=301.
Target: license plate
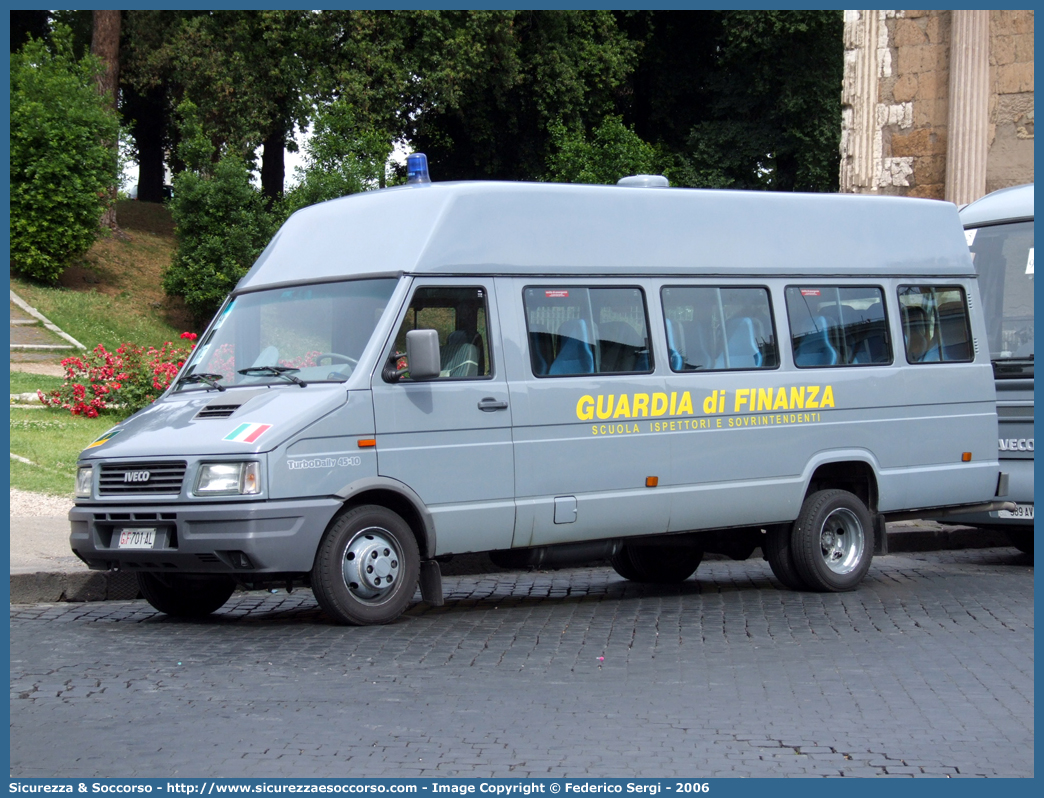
x=137 y=538
x=1021 y=511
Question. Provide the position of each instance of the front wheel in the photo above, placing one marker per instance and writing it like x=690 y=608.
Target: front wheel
x=185 y=596
x=662 y=565
x=367 y=567
x=832 y=541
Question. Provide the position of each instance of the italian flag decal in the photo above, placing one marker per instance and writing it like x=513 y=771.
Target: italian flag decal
x=247 y=433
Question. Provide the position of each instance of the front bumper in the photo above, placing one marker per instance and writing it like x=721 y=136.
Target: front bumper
x=273 y=536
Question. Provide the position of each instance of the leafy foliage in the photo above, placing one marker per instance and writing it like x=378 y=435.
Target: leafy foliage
x=220 y=220
x=612 y=151
x=505 y=77
x=341 y=158
x=744 y=99
x=60 y=166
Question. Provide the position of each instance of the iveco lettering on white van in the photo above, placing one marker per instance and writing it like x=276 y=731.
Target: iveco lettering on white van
x=552 y=374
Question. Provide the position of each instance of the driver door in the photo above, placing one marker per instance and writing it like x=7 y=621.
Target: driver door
x=449 y=439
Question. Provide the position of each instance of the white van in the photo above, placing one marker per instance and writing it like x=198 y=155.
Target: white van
x=550 y=373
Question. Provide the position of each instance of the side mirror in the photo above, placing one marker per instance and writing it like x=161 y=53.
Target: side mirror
x=422 y=354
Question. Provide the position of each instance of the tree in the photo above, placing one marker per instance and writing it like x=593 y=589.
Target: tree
x=105 y=46
x=341 y=158
x=60 y=168
x=610 y=152
x=499 y=80
x=219 y=217
x=744 y=99
x=149 y=94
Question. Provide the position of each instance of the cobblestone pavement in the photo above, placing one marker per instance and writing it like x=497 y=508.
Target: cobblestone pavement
x=926 y=670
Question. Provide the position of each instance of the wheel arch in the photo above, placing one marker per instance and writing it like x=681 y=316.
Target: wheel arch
x=855 y=471
x=400 y=499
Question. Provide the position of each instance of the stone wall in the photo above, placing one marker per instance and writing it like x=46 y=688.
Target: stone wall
x=897 y=110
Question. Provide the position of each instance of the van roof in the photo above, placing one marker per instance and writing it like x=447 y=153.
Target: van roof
x=549 y=229
x=1004 y=205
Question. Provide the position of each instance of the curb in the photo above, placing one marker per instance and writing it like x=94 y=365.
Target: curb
x=45 y=587
x=48 y=587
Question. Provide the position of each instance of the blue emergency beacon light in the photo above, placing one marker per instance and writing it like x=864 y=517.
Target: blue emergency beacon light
x=417 y=168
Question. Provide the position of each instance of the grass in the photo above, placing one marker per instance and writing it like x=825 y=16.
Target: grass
x=23 y=382
x=112 y=296
x=115 y=293
x=52 y=440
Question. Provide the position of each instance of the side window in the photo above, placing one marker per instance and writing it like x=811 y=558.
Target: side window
x=935 y=324
x=459 y=316
x=838 y=326
x=726 y=328
x=574 y=331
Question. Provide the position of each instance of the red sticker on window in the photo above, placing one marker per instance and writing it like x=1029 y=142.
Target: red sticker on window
x=557 y=294
x=809 y=292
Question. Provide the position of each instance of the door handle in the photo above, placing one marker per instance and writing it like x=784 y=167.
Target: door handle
x=489 y=404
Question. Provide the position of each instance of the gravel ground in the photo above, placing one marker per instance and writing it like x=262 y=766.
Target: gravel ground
x=25 y=504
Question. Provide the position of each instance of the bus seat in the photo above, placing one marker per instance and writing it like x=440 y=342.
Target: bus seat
x=742 y=345
x=621 y=348
x=676 y=345
x=459 y=356
x=575 y=354
x=539 y=349
x=919 y=346
x=953 y=332
x=815 y=349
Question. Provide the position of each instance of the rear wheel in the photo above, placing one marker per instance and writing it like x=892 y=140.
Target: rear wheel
x=832 y=541
x=656 y=564
x=367 y=567
x=185 y=596
x=776 y=547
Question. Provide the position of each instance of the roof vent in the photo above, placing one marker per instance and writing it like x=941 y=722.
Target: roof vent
x=643 y=181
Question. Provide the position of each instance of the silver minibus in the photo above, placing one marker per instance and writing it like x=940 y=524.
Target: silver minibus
x=552 y=373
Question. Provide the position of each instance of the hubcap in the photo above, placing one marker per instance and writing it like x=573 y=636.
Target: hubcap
x=371 y=565
x=841 y=541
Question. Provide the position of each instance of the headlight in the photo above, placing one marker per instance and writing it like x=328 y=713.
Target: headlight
x=226 y=479
x=83 y=482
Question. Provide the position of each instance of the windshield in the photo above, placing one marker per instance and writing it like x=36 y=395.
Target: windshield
x=315 y=333
x=1003 y=256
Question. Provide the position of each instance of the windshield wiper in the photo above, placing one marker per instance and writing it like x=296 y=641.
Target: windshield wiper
x=274 y=371
x=210 y=380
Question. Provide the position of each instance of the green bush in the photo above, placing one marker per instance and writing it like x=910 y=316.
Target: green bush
x=60 y=168
x=220 y=221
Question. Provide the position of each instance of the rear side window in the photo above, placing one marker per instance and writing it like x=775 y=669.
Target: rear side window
x=719 y=328
x=575 y=331
x=838 y=326
x=935 y=324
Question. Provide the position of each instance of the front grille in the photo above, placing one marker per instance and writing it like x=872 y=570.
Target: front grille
x=163 y=477
x=217 y=411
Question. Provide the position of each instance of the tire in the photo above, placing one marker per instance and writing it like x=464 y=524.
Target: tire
x=832 y=542
x=776 y=548
x=185 y=596
x=367 y=567
x=661 y=565
x=1022 y=539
